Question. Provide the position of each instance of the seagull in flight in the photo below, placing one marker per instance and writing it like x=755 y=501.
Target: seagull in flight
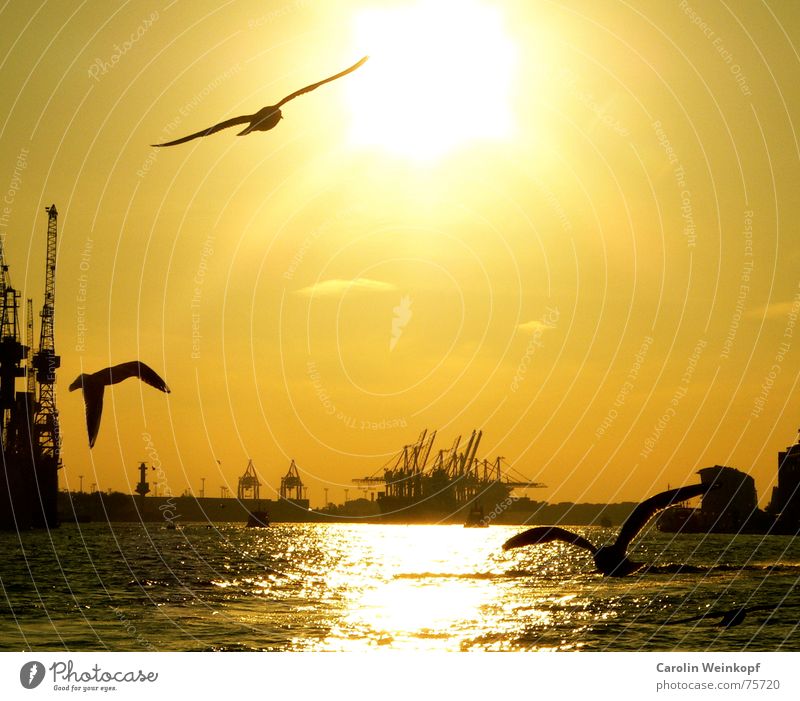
x=93 y=385
x=267 y=117
x=612 y=560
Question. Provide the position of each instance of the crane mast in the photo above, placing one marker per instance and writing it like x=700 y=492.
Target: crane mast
x=46 y=361
x=30 y=375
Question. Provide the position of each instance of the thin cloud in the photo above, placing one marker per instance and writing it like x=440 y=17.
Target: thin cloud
x=776 y=310
x=535 y=326
x=336 y=287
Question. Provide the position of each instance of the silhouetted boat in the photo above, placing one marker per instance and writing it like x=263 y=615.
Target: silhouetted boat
x=475 y=518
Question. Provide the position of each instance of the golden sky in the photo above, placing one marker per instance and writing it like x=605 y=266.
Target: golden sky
x=570 y=224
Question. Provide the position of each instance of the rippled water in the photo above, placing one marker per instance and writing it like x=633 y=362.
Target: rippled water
x=363 y=587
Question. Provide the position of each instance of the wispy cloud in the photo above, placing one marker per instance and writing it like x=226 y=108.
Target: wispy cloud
x=402 y=315
x=336 y=287
x=535 y=326
x=776 y=310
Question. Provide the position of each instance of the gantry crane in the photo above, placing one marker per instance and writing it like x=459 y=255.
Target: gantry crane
x=249 y=484
x=292 y=486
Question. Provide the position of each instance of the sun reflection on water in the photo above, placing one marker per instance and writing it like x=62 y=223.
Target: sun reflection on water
x=369 y=587
x=434 y=588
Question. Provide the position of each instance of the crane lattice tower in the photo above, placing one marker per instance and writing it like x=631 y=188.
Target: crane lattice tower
x=46 y=361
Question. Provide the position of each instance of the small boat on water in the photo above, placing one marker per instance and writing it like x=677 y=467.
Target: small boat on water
x=475 y=518
x=258 y=519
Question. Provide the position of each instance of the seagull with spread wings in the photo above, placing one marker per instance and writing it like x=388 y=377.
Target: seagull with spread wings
x=95 y=383
x=612 y=560
x=267 y=117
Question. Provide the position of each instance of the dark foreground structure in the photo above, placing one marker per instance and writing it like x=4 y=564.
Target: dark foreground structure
x=733 y=506
x=785 y=503
x=99 y=507
x=29 y=440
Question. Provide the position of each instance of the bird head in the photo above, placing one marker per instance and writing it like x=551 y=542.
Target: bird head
x=79 y=382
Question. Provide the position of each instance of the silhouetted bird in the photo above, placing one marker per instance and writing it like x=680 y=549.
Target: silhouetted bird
x=93 y=385
x=729 y=618
x=611 y=560
x=267 y=117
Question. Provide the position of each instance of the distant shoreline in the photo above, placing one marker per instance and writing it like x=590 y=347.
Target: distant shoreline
x=76 y=507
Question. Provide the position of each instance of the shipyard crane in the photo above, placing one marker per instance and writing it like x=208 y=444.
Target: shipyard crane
x=5 y=278
x=455 y=478
x=46 y=361
x=249 y=484
x=30 y=375
x=11 y=353
x=292 y=486
x=26 y=408
x=404 y=477
x=30 y=438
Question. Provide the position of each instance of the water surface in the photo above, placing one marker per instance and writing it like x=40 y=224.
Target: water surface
x=373 y=587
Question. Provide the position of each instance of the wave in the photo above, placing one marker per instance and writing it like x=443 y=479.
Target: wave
x=466 y=575
x=181 y=583
x=669 y=568
x=679 y=568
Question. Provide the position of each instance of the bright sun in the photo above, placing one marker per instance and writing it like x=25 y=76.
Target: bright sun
x=439 y=75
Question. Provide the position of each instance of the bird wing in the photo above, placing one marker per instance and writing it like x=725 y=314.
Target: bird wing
x=243 y=119
x=649 y=507
x=314 y=86
x=545 y=534
x=93 y=398
x=136 y=368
